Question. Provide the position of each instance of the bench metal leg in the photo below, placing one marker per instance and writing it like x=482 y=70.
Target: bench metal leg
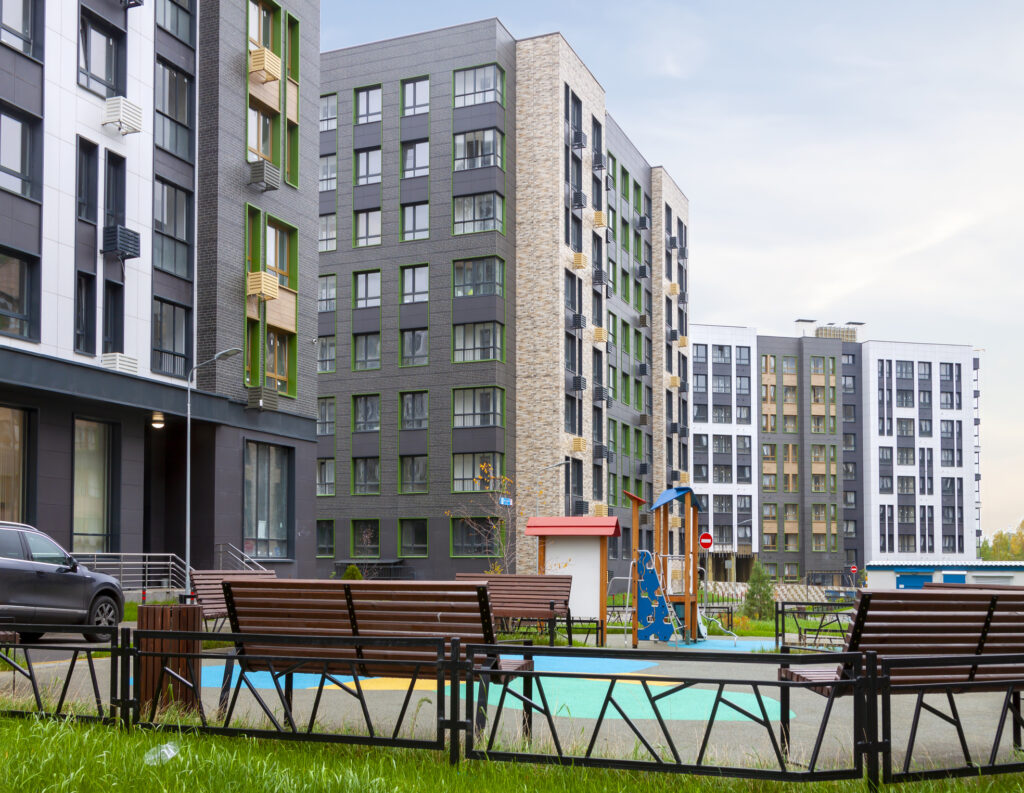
x=1016 y=722
x=225 y=684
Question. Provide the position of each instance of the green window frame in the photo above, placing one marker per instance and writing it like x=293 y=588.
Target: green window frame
x=325 y=538
x=364 y=538
x=475 y=537
x=365 y=476
x=414 y=473
x=410 y=545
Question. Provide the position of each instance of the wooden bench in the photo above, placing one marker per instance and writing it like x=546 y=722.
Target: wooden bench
x=403 y=610
x=206 y=585
x=925 y=624
x=528 y=597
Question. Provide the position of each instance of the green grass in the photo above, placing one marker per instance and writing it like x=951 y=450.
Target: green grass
x=131 y=608
x=53 y=756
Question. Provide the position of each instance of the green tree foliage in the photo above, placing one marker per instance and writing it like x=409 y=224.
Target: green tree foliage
x=759 y=603
x=352 y=574
x=1005 y=546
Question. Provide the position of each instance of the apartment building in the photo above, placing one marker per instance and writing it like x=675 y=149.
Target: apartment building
x=866 y=451
x=127 y=245
x=502 y=285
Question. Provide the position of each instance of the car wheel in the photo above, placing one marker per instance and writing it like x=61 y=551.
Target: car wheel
x=29 y=638
x=103 y=613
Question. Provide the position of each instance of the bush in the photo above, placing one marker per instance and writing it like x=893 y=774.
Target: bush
x=351 y=574
x=759 y=604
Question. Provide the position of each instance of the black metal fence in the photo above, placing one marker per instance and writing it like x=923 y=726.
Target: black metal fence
x=786 y=717
x=812 y=625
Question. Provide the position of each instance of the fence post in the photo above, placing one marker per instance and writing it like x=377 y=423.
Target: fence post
x=453 y=702
x=871 y=745
x=784 y=710
x=125 y=693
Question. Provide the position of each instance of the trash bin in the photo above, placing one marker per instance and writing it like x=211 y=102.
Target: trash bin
x=184 y=618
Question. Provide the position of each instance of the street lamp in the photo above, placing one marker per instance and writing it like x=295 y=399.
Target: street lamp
x=188 y=460
x=536 y=497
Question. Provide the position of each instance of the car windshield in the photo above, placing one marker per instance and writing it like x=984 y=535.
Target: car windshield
x=44 y=550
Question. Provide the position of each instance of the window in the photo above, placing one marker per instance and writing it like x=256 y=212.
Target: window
x=366 y=413
x=472 y=472
x=261 y=25
x=172 y=229
x=367 y=104
x=476 y=536
x=85 y=313
x=100 y=51
x=415 y=415
x=721 y=384
x=905 y=485
x=412 y=537
x=946 y=371
x=326 y=351
x=905 y=370
x=325 y=539
x=700 y=472
x=924 y=398
x=743 y=414
x=480 y=277
x=415 y=159
x=788 y=365
x=277 y=360
x=483 y=212
x=946 y=400
x=87 y=176
x=367 y=166
x=700 y=384
x=482 y=84
x=367 y=291
x=113 y=317
x=905 y=428
x=904 y=398
x=267 y=508
x=415 y=347
x=905 y=456
x=849 y=413
x=415 y=96
x=367 y=227
x=767 y=364
x=924 y=370
x=279 y=252
x=480 y=341
x=415 y=221
x=700 y=413
x=366 y=476
x=722 y=474
x=172 y=100
x=789 y=394
x=722 y=444
x=478 y=407
x=849 y=383
x=366 y=539
x=328 y=237
x=721 y=353
x=849 y=359
x=742 y=385
x=171 y=332
x=325 y=477
x=325 y=416
x=328 y=112
x=328 y=173
x=414 y=474
x=478 y=149
x=743 y=356
x=16 y=24
x=415 y=284
x=924 y=428
x=260 y=136
x=366 y=351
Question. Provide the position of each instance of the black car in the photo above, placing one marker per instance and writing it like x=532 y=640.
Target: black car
x=42 y=584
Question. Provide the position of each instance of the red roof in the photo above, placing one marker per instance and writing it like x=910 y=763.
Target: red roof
x=583 y=526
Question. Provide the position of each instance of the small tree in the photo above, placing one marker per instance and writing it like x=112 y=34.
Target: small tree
x=759 y=604
x=496 y=531
x=352 y=574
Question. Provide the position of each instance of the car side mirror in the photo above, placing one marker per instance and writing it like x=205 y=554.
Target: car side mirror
x=72 y=564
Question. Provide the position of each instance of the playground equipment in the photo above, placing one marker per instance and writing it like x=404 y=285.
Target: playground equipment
x=658 y=611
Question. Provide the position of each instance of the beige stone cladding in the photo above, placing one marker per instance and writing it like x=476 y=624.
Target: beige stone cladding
x=664 y=191
x=544 y=66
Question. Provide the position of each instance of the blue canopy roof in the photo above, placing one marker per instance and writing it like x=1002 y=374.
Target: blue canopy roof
x=672 y=494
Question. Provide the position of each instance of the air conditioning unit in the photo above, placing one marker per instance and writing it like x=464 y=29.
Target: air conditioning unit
x=644 y=420
x=579 y=199
x=264 y=65
x=645 y=518
x=684 y=431
x=673 y=288
x=673 y=243
x=600 y=221
x=579 y=260
x=599 y=278
x=672 y=334
x=643 y=370
x=600 y=510
x=609 y=455
x=600 y=451
x=643 y=222
x=643 y=321
x=261 y=398
x=683 y=341
x=675 y=522
x=673 y=381
x=643 y=271
x=673 y=428
x=264 y=175
x=684 y=252
x=600 y=393
x=683 y=298
x=126 y=116
x=610 y=401
x=131 y=3
x=579 y=139
x=673 y=475
x=600 y=335
x=579 y=383
x=579 y=321
x=599 y=162
x=609 y=236
x=642 y=469
x=684 y=477
x=580 y=507
x=119 y=362
x=120 y=242
x=609 y=290
x=609 y=182
x=579 y=444
x=261 y=284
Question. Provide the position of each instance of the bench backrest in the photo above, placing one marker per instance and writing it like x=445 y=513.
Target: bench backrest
x=209 y=592
x=525 y=592
x=391 y=609
x=936 y=622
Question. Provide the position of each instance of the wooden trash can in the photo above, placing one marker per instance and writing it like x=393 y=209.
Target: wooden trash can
x=185 y=618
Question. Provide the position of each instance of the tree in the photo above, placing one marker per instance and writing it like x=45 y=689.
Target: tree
x=1006 y=546
x=352 y=573
x=494 y=534
x=759 y=603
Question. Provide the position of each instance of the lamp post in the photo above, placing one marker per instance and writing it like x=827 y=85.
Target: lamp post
x=188 y=460
x=536 y=498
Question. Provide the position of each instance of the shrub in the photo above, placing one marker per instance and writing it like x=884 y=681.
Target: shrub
x=352 y=574
x=759 y=604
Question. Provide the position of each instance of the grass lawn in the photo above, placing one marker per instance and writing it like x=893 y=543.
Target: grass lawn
x=41 y=755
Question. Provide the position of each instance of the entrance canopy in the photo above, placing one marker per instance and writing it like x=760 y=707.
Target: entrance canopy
x=582 y=526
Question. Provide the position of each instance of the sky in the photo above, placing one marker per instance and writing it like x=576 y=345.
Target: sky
x=843 y=161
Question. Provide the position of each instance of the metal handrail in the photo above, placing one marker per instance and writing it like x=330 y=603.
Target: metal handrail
x=139 y=570
x=230 y=557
